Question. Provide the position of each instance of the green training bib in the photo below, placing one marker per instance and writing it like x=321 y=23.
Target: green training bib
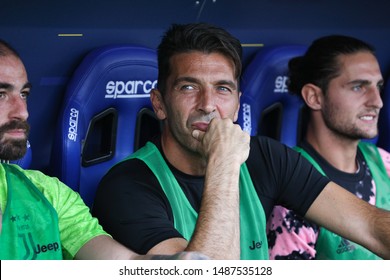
x=253 y=240
x=332 y=246
x=30 y=223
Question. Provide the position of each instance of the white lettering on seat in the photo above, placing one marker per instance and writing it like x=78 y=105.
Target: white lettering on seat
x=129 y=89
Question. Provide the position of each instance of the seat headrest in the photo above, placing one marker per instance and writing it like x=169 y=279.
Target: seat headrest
x=102 y=106
x=267 y=108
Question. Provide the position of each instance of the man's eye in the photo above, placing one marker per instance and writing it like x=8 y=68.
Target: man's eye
x=223 y=89
x=381 y=88
x=187 y=87
x=357 y=88
x=24 y=94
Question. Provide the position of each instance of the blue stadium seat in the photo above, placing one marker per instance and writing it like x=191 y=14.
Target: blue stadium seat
x=267 y=108
x=25 y=161
x=105 y=103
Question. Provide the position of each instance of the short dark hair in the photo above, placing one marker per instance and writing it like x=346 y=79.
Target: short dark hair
x=319 y=65
x=203 y=37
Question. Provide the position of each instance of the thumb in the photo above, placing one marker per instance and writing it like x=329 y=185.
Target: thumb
x=197 y=134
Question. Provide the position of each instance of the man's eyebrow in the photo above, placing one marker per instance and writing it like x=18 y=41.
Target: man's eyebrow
x=27 y=85
x=194 y=80
x=229 y=83
x=365 y=82
x=5 y=85
x=185 y=79
x=360 y=81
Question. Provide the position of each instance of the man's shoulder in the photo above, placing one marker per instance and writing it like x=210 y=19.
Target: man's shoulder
x=264 y=140
x=131 y=171
x=265 y=150
x=36 y=175
x=268 y=144
x=128 y=165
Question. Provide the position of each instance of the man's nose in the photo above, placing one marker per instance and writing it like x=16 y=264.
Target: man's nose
x=375 y=98
x=18 y=108
x=207 y=101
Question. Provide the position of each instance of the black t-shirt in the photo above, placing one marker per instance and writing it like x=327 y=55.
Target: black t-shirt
x=359 y=183
x=131 y=205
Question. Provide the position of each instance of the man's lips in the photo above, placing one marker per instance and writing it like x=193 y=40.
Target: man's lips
x=368 y=117
x=16 y=133
x=200 y=126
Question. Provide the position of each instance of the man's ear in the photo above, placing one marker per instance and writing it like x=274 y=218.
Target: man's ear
x=158 y=104
x=312 y=95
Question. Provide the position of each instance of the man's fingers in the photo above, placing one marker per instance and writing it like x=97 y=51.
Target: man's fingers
x=197 y=134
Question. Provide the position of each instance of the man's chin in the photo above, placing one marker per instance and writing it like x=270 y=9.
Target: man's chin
x=13 y=150
x=369 y=135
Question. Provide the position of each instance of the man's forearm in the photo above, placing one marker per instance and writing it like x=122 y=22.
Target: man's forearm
x=217 y=232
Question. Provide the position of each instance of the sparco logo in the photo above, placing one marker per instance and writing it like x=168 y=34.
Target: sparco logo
x=246 y=117
x=280 y=84
x=73 y=121
x=129 y=89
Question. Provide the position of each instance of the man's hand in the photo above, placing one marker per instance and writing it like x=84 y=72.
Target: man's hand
x=224 y=139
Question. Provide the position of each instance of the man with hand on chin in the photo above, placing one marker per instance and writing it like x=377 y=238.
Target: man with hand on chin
x=204 y=184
